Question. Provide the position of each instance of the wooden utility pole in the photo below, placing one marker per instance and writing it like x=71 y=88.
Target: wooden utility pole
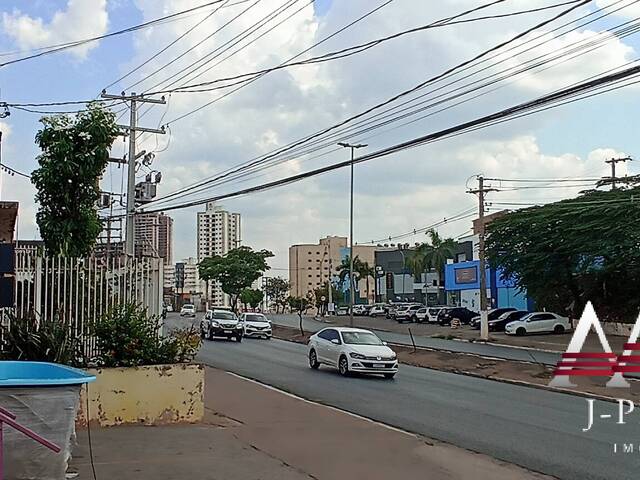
x=613 y=162
x=484 y=321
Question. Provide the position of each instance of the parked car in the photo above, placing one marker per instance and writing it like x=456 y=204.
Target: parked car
x=352 y=350
x=342 y=311
x=406 y=314
x=169 y=307
x=221 y=323
x=491 y=315
x=432 y=314
x=461 y=313
x=421 y=315
x=359 y=309
x=256 y=325
x=500 y=323
x=538 y=322
x=394 y=307
x=377 y=311
x=188 y=310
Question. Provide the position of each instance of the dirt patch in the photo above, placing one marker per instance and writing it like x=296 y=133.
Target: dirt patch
x=532 y=374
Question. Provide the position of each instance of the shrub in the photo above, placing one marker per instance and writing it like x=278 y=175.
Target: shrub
x=127 y=337
x=24 y=338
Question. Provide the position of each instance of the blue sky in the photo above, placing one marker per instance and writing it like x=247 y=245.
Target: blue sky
x=424 y=184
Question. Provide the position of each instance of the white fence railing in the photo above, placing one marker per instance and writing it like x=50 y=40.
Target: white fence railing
x=81 y=290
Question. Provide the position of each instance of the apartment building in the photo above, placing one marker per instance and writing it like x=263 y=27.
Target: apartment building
x=218 y=232
x=154 y=236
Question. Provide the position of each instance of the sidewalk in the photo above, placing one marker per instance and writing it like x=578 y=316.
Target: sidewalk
x=253 y=432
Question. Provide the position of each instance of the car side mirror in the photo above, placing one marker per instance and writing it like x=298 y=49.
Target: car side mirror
x=385 y=343
x=335 y=341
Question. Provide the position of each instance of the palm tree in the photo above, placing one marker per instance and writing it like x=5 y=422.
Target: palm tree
x=365 y=271
x=345 y=266
x=432 y=255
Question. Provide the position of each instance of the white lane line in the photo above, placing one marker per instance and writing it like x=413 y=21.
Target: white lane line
x=311 y=402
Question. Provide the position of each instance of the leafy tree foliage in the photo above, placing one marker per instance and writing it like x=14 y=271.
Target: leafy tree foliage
x=431 y=255
x=570 y=252
x=235 y=271
x=75 y=151
x=277 y=291
x=252 y=297
x=323 y=291
x=300 y=305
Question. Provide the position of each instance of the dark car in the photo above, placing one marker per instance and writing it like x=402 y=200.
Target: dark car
x=461 y=313
x=499 y=324
x=220 y=323
x=492 y=315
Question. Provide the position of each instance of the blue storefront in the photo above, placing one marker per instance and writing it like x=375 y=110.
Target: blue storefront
x=462 y=283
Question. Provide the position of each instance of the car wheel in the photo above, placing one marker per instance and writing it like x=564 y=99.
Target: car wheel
x=268 y=337
x=520 y=331
x=343 y=366
x=313 y=360
x=389 y=375
x=210 y=335
x=558 y=329
x=203 y=334
x=238 y=338
x=414 y=319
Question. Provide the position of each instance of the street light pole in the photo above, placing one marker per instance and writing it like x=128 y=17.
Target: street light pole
x=351 y=283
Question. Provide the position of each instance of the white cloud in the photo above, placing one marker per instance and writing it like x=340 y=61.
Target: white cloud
x=81 y=19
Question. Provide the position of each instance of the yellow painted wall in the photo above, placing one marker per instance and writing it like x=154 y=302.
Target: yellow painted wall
x=149 y=395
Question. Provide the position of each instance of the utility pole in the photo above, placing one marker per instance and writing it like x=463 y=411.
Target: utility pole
x=484 y=321
x=352 y=293
x=133 y=128
x=613 y=162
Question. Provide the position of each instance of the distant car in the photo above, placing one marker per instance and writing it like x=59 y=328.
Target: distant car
x=256 y=325
x=421 y=315
x=342 y=311
x=352 y=350
x=406 y=314
x=188 y=310
x=169 y=307
x=221 y=323
x=432 y=314
x=377 y=311
x=538 y=322
x=501 y=322
x=446 y=315
x=492 y=315
x=359 y=310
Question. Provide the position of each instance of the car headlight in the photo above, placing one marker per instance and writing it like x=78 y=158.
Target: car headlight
x=214 y=323
x=357 y=356
x=240 y=325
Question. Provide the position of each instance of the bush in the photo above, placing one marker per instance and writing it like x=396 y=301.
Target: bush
x=127 y=337
x=24 y=338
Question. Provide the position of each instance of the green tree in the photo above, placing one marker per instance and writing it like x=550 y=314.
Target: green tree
x=252 y=297
x=277 y=291
x=366 y=271
x=75 y=152
x=235 y=271
x=570 y=252
x=432 y=254
x=300 y=305
x=345 y=266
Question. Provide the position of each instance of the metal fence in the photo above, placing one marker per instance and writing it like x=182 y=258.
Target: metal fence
x=79 y=291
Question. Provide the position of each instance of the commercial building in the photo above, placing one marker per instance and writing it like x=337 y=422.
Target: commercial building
x=312 y=265
x=154 y=236
x=218 y=232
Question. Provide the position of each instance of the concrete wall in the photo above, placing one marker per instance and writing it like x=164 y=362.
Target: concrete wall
x=149 y=395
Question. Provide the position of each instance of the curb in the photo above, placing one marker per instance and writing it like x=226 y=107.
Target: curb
x=522 y=383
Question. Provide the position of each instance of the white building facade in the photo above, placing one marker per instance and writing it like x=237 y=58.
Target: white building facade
x=218 y=232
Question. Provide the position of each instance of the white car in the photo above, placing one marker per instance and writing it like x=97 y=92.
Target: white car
x=538 y=322
x=421 y=315
x=377 y=311
x=352 y=350
x=256 y=325
x=188 y=310
x=432 y=314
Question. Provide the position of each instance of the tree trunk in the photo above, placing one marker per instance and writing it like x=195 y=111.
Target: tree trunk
x=300 y=316
x=367 y=289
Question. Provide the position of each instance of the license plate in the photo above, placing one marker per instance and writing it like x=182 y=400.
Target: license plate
x=228 y=331
x=378 y=365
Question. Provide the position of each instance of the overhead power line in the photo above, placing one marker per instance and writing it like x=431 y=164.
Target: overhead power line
x=578 y=92
x=108 y=35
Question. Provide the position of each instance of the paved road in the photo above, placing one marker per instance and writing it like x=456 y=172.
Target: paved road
x=487 y=349
x=536 y=429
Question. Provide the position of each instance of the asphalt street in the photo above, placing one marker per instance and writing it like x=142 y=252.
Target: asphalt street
x=537 y=429
x=486 y=349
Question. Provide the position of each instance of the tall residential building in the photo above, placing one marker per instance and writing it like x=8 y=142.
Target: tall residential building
x=312 y=265
x=218 y=232
x=154 y=236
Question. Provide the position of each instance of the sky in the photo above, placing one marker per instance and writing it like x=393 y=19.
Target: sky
x=394 y=194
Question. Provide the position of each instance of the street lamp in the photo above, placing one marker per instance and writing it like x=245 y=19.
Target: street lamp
x=351 y=285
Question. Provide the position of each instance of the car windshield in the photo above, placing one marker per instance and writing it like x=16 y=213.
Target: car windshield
x=256 y=318
x=224 y=315
x=361 y=338
x=188 y=307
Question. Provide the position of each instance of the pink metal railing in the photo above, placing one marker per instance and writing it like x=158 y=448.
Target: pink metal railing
x=10 y=419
